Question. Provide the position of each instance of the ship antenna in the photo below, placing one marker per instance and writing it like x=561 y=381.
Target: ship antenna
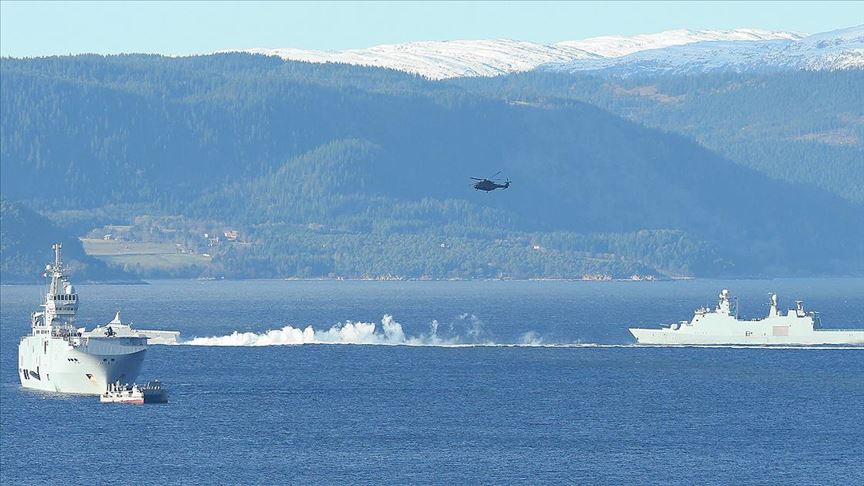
x=57 y=270
x=57 y=247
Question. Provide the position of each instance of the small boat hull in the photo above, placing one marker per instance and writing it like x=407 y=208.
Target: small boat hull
x=152 y=392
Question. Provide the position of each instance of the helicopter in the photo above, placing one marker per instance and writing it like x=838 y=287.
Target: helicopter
x=489 y=184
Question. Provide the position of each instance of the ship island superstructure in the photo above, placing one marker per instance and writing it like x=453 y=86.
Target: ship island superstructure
x=721 y=326
x=58 y=357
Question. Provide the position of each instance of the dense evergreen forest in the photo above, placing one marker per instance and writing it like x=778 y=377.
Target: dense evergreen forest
x=25 y=244
x=805 y=126
x=332 y=170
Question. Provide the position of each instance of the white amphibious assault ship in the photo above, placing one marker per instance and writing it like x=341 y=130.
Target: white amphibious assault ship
x=721 y=326
x=58 y=357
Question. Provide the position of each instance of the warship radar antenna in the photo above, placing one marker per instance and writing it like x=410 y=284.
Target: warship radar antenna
x=799 y=308
x=56 y=247
x=772 y=305
x=723 y=306
x=55 y=270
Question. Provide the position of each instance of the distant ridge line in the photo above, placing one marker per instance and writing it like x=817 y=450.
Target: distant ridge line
x=485 y=58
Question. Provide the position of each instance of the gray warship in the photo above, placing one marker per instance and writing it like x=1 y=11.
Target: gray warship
x=721 y=326
x=58 y=357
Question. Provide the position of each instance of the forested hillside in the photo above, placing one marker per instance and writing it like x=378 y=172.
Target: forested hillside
x=350 y=171
x=801 y=126
x=25 y=244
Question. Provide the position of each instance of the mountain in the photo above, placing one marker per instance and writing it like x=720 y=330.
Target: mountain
x=345 y=170
x=699 y=57
x=26 y=238
x=444 y=59
x=449 y=59
x=619 y=46
x=836 y=50
x=674 y=51
x=805 y=127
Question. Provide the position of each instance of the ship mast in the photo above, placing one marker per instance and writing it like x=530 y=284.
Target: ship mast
x=61 y=302
x=56 y=269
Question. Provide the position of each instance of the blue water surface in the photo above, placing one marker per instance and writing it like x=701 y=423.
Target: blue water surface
x=610 y=413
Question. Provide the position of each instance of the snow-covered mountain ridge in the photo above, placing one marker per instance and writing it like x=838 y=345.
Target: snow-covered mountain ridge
x=670 y=51
x=829 y=51
x=444 y=59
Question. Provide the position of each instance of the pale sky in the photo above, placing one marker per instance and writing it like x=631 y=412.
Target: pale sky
x=50 y=28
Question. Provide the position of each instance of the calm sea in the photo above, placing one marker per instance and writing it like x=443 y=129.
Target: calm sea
x=495 y=382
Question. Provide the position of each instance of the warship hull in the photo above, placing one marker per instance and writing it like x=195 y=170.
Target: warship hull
x=665 y=336
x=54 y=365
x=58 y=357
x=721 y=326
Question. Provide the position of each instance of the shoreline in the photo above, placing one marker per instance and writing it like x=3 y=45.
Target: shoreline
x=330 y=279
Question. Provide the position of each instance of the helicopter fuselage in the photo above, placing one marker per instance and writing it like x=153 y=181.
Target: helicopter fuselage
x=487 y=185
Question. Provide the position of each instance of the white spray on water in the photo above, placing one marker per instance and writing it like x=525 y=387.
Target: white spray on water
x=390 y=333
x=464 y=331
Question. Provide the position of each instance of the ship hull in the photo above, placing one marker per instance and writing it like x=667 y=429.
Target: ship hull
x=54 y=365
x=819 y=337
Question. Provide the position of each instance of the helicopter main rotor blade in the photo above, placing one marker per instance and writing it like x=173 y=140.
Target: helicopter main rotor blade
x=500 y=171
x=477 y=178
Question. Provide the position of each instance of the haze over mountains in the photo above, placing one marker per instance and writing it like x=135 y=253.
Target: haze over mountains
x=682 y=51
x=332 y=169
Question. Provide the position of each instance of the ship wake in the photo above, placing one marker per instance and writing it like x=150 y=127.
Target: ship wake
x=387 y=332
x=466 y=331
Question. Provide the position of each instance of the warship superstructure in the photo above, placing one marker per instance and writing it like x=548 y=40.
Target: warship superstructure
x=58 y=357
x=721 y=326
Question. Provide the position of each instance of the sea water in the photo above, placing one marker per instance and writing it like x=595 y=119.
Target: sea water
x=445 y=382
